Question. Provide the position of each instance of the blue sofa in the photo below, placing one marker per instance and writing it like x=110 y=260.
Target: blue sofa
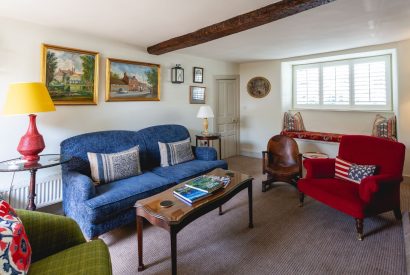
x=99 y=209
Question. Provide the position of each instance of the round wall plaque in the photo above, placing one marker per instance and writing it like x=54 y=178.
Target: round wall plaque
x=258 y=87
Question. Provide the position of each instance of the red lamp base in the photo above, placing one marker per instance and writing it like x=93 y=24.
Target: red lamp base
x=32 y=143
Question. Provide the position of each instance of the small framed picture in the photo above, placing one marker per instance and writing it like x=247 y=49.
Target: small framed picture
x=196 y=95
x=198 y=75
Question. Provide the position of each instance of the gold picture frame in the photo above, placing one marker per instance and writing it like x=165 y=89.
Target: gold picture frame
x=132 y=80
x=70 y=75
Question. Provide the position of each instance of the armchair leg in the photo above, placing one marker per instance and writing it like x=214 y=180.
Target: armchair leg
x=266 y=184
x=301 y=199
x=397 y=213
x=359 y=228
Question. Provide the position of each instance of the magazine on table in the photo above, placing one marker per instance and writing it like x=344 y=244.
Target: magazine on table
x=190 y=195
x=208 y=184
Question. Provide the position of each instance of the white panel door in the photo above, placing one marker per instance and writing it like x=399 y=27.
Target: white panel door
x=227 y=120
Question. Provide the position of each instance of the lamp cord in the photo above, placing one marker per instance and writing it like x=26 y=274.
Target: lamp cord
x=11 y=187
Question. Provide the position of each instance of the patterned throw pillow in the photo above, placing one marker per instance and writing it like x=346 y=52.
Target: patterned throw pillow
x=352 y=172
x=385 y=128
x=15 y=250
x=175 y=152
x=107 y=168
x=293 y=123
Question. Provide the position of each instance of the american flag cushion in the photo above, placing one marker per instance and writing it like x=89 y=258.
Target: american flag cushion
x=352 y=172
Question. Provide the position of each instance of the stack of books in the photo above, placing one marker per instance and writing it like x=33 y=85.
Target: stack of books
x=200 y=188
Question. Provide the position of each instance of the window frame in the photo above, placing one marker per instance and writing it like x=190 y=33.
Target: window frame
x=387 y=57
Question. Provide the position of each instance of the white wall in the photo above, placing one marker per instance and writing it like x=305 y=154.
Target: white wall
x=262 y=118
x=20 y=62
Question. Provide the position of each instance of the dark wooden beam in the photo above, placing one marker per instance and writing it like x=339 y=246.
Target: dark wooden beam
x=237 y=24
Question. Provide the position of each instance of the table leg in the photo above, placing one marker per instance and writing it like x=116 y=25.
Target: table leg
x=139 y=236
x=220 y=154
x=250 y=205
x=173 y=250
x=220 y=210
x=32 y=191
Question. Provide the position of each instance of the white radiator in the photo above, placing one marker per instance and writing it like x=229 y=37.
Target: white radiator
x=48 y=192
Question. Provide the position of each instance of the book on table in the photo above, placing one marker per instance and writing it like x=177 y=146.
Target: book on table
x=190 y=195
x=208 y=184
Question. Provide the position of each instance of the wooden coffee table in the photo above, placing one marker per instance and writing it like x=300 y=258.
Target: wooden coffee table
x=176 y=217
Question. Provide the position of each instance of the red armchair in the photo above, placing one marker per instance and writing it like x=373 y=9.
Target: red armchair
x=374 y=195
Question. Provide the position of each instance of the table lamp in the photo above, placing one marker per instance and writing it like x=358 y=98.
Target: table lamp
x=205 y=112
x=29 y=98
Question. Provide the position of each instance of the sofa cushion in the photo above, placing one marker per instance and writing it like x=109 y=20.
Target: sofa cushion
x=104 y=142
x=163 y=133
x=187 y=170
x=352 y=172
x=120 y=195
x=175 y=152
x=91 y=258
x=106 y=168
x=340 y=194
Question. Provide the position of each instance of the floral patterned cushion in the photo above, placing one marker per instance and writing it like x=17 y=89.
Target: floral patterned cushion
x=15 y=250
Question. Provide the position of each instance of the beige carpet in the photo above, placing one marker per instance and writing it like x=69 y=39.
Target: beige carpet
x=286 y=239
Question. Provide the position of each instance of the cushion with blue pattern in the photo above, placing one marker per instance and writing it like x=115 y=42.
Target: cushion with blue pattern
x=175 y=152
x=107 y=168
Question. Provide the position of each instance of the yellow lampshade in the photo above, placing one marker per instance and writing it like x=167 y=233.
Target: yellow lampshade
x=28 y=98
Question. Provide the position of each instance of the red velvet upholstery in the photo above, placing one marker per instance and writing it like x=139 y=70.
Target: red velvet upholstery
x=375 y=194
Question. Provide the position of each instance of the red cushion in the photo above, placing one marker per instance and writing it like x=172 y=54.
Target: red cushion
x=15 y=249
x=337 y=193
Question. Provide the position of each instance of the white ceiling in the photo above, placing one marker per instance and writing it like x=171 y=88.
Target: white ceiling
x=340 y=25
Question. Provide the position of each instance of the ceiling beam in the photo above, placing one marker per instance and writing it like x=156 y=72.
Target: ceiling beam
x=237 y=24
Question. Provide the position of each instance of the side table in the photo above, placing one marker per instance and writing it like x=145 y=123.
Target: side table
x=18 y=164
x=209 y=137
x=314 y=155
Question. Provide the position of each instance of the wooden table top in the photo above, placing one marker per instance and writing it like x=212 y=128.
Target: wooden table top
x=177 y=212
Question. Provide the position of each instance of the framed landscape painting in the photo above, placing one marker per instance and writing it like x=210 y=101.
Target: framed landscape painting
x=132 y=81
x=71 y=75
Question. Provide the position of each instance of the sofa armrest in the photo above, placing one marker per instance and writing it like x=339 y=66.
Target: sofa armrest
x=48 y=233
x=80 y=186
x=373 y=184
x=205 y=153
x=319 y=168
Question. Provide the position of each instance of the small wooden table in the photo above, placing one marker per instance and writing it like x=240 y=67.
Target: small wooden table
x=209 y=137
x=175 y=218
x=315 y=155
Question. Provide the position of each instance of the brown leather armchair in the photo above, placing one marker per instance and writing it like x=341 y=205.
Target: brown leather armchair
x=281 y=162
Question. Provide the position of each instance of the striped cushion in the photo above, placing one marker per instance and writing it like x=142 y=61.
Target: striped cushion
x=293 y=123
x=107 y=168
x=352 y=172
x=175 y=152
x=385 y=128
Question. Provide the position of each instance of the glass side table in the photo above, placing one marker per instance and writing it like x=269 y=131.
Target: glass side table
x=18 y=165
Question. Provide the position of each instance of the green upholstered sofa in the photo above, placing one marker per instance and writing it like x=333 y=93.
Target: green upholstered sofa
x=59 y=247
